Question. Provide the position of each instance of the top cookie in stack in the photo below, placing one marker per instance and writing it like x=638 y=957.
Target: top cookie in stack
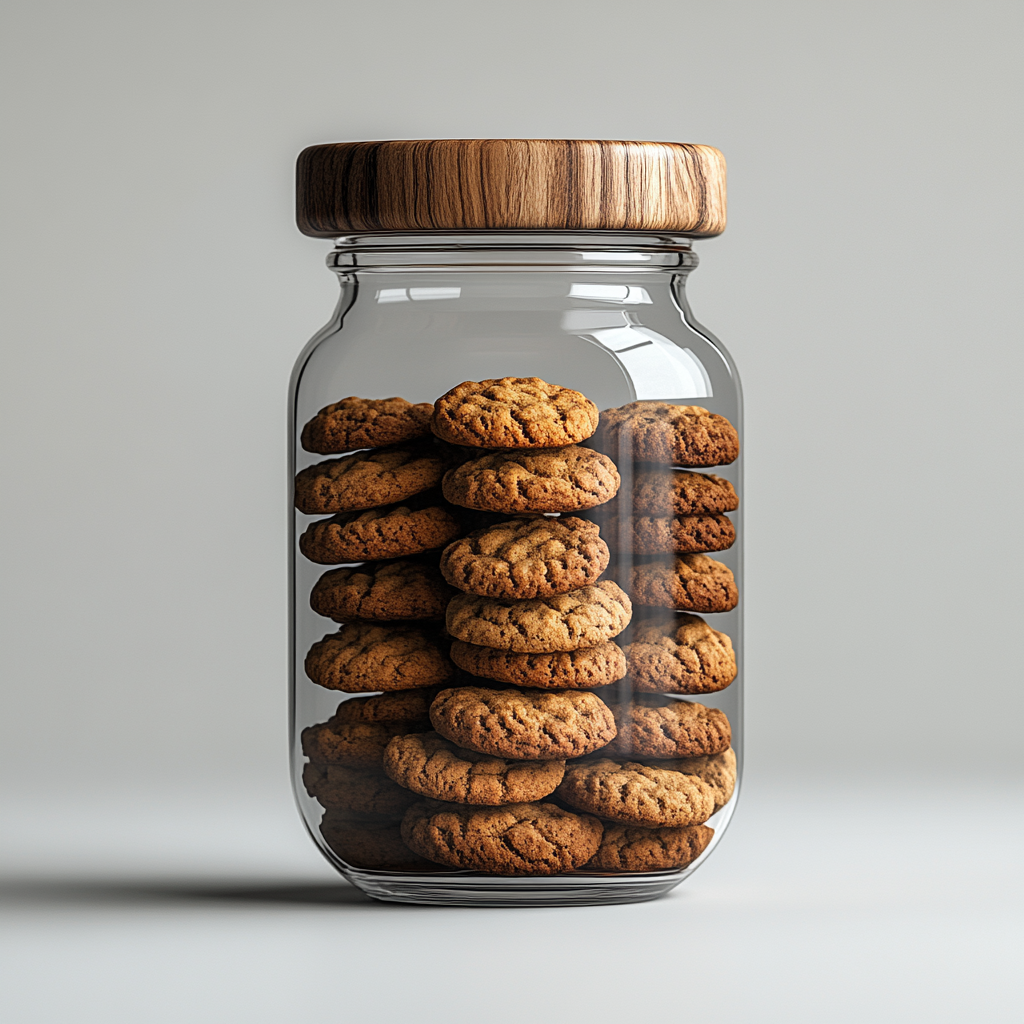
x=389 y=515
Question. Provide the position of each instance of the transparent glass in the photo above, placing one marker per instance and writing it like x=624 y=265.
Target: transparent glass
x=604 y=313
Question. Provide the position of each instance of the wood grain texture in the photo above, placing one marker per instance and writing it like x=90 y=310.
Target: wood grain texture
x=510 y=184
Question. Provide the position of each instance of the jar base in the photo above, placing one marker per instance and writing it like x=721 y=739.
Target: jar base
x=473 y=890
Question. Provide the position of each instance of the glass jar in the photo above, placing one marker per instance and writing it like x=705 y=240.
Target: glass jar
x=516 y=640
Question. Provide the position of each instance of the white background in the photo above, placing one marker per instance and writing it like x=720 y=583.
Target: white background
x=156 y=295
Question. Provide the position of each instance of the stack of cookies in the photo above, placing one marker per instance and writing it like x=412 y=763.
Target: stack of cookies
x=386 y=512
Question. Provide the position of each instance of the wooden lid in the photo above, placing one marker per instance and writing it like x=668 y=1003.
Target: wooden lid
x=510 y=184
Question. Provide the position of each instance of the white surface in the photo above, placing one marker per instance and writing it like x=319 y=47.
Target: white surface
x=822 y=905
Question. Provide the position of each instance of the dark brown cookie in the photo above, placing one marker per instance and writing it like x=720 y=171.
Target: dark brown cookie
x=547 y=480
x=368 y=479
x=348 y=740
x=661 y=491
x=636 y=794
x=527 y=558
x=513 y=412
x=681 y=435
x=362 y=658
x=656 y=726
x=514 y=839
x=524 y=725
x=584 y=618
x=583 y=669
x=653 y=535
x=365 y=423
x=691 y=583
x=356 y=790
x=431 y=766
x=394 y=531
x=634 y=848
x=382 y=592
x=403 y=706
x=370 y=845
x=681 y=655
x=718 y=771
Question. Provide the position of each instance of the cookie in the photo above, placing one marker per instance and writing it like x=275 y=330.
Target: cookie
x=583 y=669
x=653 y=535
x=514 y=839
x=365 y=423
x=382 y=592
x=362 y=657
x=656 y=726
x=584 y=618
x=513 y=412
x=394 y=531
x=661 y=491
x=527 y=558
x=359 y=791
x=681 y=435
x=634 y=848
x=681 y=655
x=548 y=480
x=431 y=766
x=408 y=706
x=356 y=744
x=636 y=794
x=370 y=845
x=718 y=771
x=368 y=479
x=524 y=725
x=692 y=583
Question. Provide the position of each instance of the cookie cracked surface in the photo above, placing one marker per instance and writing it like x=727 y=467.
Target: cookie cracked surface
x=513 y=412
x=382 y=592
x=363 y=657
x=586 y=668
x=636 y=794
x=515 y=839
x=694 y=583
x=532 y=725
x=635 y=848
x=365 y=423
x=359 y=791
x=681 y=655
x=661 y=491
x=718 y=771
x=368 y=844
x=347 y=738
x=432 y=766
x=546 y=480
x=652 y=535
x=584 y=618
x=680 y=435
x=655 y=726
x=527 y=558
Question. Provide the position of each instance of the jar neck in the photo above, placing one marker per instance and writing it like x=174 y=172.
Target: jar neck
x=614 y=251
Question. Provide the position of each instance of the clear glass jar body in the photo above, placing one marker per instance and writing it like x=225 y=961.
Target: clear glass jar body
x=603 y=313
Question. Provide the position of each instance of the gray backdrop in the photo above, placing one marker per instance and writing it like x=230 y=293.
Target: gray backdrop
x=158 y=292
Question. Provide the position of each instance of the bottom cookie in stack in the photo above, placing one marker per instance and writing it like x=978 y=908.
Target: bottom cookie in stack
x=370 y=843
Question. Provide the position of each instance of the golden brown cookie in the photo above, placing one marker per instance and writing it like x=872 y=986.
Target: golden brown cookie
x=692 y=583
x=663 y=491
x=527 y=558
x=514 y=839
x=717 y=770
x=584 y=618
x=368 y=479
x=635 y=848
x=350 y=740
x=524 y=725
x=382 y=592
x=583 y=669
x=365 y=792
x=547 y=480
x=653 y=535
x=636 y=794
x=654 y=726
x=362 y=658
x=681 y=435
x=373 y=845
x=431 y=766
x=680 y=655
x=513 y=412
x=365 y=423
x=394 y=531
